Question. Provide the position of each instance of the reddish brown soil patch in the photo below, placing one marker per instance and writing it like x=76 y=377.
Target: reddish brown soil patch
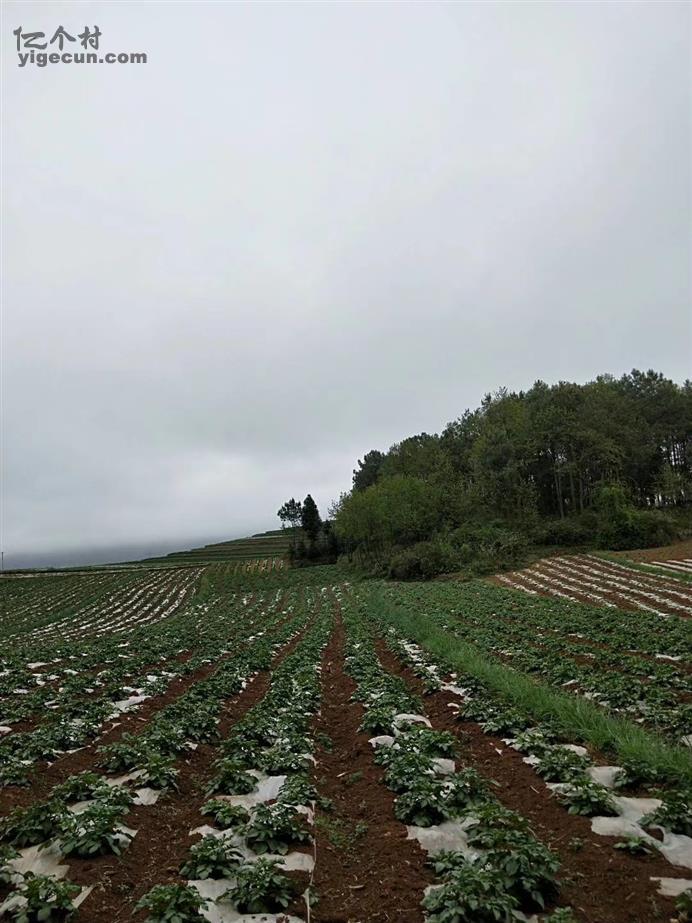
x=366 y=869
x=599 y=882
x=665 y=553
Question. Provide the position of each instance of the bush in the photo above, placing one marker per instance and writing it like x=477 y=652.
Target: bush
x=489 y=547
x=471 y=894
x=622 y=526
x=423 y=561
x=575 y=530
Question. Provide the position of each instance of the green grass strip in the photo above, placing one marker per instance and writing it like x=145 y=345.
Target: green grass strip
x=576 y=717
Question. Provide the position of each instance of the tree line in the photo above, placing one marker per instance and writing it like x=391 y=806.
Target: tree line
x=606 y=462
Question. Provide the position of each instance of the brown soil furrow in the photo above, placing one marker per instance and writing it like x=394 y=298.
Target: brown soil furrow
x=598 y=881
x=366 y=869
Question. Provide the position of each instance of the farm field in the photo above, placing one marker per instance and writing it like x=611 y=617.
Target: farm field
x=243 y=742
x=593 y=579
x=265 y=545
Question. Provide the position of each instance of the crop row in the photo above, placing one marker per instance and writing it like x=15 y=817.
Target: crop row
x=85 y=815
x=576 y=778
x=73 y=607
x=640 y=671
x=76 y=711
x=591 y=579
x=487 y=862
x=260 y=801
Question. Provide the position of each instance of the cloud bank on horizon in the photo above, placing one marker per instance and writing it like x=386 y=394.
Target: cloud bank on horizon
x=302 y=231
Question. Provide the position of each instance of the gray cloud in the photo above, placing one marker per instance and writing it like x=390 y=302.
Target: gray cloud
x=301 y=231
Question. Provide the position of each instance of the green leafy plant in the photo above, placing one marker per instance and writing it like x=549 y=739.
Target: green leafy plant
x=635 y=846
x=46 y=899
x=447 y=862
x=114 y=797
x=79 y=787
x=528 y=867
x=273 y=828
x=260 y=888
x=173 y=904
x=378 y=720
x=405 y=767
x=159 y=771
x=35 y=824
x=126 y=754
x=535 y=740
x=423 y=804
x=675 y=813
x=298 y=789
x=506 y=721
x=285 y=757
x=93 y=832
x=167 y=737
x=589 y=799
x=466 y=789
x=230 y=778
x=559 y=764
x=15 y=771
x=7 y=854
x=211 y=857
x=227 y=816
x=242 y=751
x=471 y=894
x=561 y=915
x=492 y=823
x=683 y=907
x=430 y=742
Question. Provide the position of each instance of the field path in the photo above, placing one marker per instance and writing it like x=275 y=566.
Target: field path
x=366 y=868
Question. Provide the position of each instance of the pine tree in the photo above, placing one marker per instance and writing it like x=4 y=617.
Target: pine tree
x=310 y=518
x=291 y=512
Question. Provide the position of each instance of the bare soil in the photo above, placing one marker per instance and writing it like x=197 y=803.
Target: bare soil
x=366 y=869
x=664 y=553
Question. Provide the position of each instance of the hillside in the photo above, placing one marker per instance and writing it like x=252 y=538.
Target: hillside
x=272 y=544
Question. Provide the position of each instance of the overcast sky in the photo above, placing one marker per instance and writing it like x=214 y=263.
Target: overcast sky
x=302 y=230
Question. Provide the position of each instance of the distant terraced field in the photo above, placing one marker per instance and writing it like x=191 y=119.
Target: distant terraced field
x=273 y=544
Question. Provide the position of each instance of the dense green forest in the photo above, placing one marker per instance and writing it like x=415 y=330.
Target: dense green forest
x=607 y=463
